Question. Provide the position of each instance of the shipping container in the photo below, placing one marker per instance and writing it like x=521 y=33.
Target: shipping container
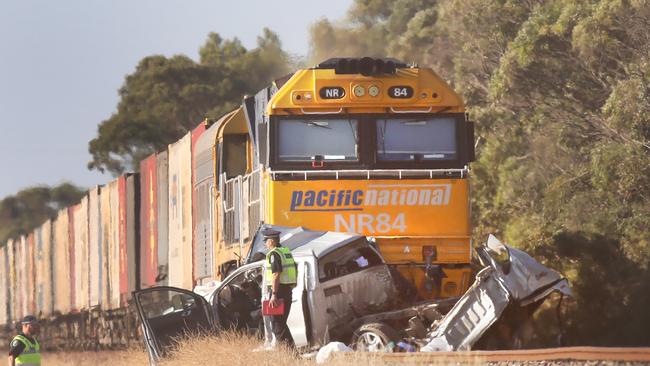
x=71 y=256
x=180 y=213
x=162 y=221
x=4 y=285
x=106 y=235
x=114 y=245
x=204 y=204
x=30 y=280
x=21 y=276
x=94 y=249
x=44 y=269
x=148 y=222
x=80 y=266
x=61 y=262
x=198 y=260
x=11 y=265
x=129 y=222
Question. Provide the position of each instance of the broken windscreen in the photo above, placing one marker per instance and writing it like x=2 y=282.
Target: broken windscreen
x=351 y=258
x=416 y=139
x=302 y=140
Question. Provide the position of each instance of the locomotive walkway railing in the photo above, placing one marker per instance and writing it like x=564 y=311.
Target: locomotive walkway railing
x=242 y=206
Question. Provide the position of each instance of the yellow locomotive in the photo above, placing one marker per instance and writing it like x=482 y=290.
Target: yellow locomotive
x=372 y=146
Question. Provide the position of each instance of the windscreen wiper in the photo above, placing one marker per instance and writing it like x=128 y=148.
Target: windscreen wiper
x=317 y=124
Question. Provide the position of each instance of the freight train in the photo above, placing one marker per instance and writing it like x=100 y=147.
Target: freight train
x=373 y=146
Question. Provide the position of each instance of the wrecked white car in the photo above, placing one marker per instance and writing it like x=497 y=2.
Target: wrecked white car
x=511 y=280
x=342 y=273
x=346 y=292
x=495 y=312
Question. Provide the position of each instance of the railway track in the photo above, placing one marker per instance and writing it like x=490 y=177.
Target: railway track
x=554 y=356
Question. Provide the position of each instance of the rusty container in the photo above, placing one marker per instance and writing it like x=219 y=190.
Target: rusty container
x=43 y=236
x=148 y=222
x=128 y=185
x=4 y=286
x=61 y=262
x=203 y=206
x=95 y=284
x=162 y=221
x=180 y=213
x=81 y=255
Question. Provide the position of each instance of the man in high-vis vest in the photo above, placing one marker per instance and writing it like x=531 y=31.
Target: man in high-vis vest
x=281 y=275
x=25 y=349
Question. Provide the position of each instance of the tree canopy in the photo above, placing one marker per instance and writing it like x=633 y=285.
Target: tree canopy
x=166 y=97
x=29 y=208
x=560 y=91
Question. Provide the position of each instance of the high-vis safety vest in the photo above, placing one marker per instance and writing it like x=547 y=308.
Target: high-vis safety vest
x=289 y=274
x=31 y=355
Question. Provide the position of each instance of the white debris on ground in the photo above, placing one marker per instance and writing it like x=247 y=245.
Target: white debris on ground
x=327 y=350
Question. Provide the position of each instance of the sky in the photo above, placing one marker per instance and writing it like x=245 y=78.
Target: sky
x=62 y=62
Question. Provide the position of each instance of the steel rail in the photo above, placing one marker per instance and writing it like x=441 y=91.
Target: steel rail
x=641 y=354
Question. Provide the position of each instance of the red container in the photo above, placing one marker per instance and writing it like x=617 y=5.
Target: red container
x=126 y=227
x=267 y=309
x=148 y=222
x=196 y=134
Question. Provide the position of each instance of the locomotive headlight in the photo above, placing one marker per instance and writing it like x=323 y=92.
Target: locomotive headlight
x=373 y=90
x=358 y=91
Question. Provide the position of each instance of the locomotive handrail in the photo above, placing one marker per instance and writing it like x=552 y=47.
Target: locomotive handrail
x=400 y=173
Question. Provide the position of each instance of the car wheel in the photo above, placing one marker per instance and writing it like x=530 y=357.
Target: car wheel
x=374 y=337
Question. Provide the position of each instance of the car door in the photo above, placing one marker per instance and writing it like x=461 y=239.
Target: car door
x=167 y=313
x=299 y=313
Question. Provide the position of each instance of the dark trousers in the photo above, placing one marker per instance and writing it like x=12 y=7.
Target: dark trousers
x=279 y=322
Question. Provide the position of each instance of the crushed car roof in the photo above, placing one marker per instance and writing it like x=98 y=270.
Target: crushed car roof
x=301 y=241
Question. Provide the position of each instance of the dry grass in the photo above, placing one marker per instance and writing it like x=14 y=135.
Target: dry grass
x=235 y=350
x=103 y=358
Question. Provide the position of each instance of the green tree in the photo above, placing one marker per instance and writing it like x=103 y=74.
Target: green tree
x=29 y=208
x=166 y=97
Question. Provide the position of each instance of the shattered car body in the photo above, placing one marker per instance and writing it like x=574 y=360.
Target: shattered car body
x=340 y=277
x=346 y=292
x=510 y=278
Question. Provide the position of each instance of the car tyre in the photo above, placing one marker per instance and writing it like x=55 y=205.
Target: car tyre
x=374 y=337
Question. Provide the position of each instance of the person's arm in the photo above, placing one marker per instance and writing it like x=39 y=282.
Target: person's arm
x=276 y=270
x=15 y=349
x=274 y=288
